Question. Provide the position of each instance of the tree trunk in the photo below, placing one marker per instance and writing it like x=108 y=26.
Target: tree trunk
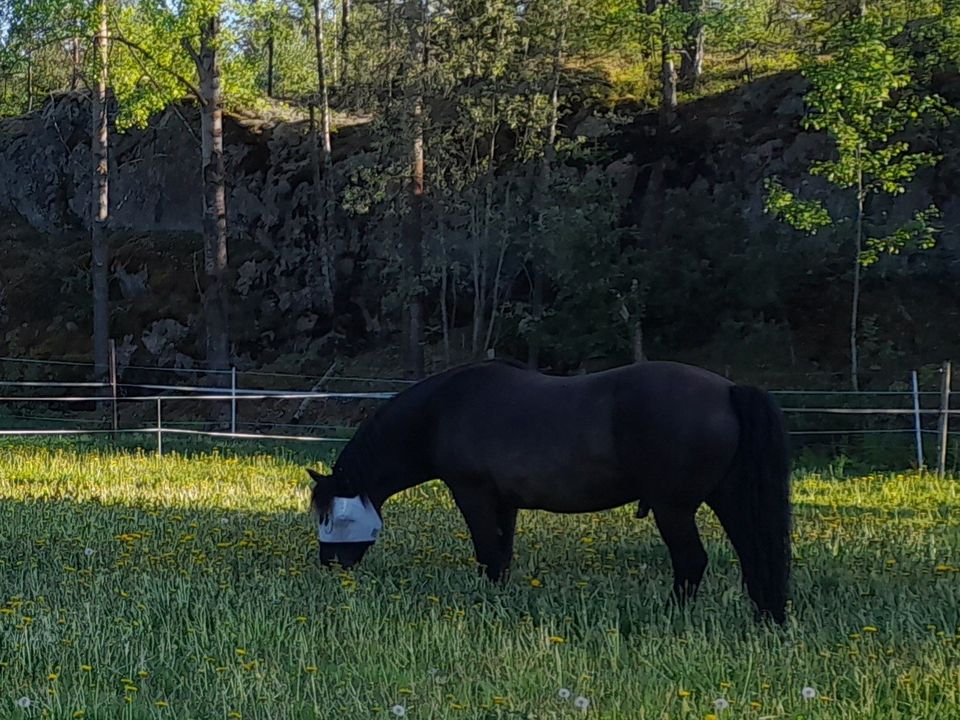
x=412 y=224
x=270 y=63
x=344 y=40
x=75 y=69
x=668 y=80
x=412 y=241
x=855 y=303
x=444 y=288
x=29 y=84
x=477 y=276
x=323 y=98
x=541 y=196
x=215 y=303
x=638 y=355
x=495 y=297
x=100 y=207
x=324 y=192
x=691 y=63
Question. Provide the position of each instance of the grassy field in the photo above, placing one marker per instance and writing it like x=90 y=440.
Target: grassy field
x=137 y=587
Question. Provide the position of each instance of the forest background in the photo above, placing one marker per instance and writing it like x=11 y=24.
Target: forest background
x=763 y=187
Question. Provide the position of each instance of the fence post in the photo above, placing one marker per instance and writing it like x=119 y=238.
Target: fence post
x=233 y=400
x=916 y=420
x=944 y=418
x=159 y=430
x=113 y=386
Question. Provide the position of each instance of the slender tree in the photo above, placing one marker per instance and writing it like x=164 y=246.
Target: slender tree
x=100 y=200
x=853 y=98
x=412 y=225
x=323 y=153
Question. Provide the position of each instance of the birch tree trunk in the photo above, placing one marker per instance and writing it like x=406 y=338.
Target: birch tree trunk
x=215 y=305
x=325 y=154
x=412 y=225
x=344 y=40
x=541 y=193
x=100 y=205
x=691 y=62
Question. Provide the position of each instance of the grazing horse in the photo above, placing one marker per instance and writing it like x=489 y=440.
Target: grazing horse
x=503 y=437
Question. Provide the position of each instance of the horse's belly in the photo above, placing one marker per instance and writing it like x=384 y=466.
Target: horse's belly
x=557 y=488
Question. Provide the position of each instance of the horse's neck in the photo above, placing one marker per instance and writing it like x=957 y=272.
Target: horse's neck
x=399 y=459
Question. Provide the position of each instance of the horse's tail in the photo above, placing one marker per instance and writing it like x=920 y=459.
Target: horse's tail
x=753 y=502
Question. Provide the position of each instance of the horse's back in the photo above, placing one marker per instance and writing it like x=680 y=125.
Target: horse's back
x=601 y=439
x=676 y=426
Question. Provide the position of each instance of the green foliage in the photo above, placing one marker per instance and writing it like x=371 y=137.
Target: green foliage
x=919 y=233
x=806 y=215
x=859 y=97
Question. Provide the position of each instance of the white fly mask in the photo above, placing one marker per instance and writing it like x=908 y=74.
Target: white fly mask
x=350 y=520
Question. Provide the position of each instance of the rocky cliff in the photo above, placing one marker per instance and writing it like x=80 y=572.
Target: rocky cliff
x=726 y=274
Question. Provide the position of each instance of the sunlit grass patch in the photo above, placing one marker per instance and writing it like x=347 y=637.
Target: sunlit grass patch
x=132 y=586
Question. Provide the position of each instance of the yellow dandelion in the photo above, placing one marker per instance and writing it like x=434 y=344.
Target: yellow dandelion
x=683 y=693
x=310 y=668
x=557 y=640
x=534 y=582
x=52 y=677
x=161 y=703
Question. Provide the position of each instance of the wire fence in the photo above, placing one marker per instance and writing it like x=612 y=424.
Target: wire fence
x=235 y=406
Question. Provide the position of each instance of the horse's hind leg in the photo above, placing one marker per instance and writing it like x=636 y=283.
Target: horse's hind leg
x=679 y=531
x=492 y=525
x=507 y=527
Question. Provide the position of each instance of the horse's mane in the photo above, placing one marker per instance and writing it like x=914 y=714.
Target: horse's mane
x=358 y=452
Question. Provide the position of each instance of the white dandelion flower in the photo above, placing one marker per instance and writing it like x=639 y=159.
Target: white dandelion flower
x=24 y=702
x=581 y=703
x=808 y=693
x=88 y=551
x=398 y=710
x=720 y=704
x=563 y=694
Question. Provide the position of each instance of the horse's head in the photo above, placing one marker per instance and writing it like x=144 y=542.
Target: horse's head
x=347 y=523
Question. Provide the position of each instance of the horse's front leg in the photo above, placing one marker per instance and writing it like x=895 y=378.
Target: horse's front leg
x=492 y=525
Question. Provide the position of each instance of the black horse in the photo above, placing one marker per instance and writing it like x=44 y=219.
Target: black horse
x=503 y=437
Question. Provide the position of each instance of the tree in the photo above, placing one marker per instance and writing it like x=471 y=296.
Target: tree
x=415 y=16
x=322 y=154
x=857 y=97
x=168 y=45
x=100 y=199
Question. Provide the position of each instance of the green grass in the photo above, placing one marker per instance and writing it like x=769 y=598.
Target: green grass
x=200 y=598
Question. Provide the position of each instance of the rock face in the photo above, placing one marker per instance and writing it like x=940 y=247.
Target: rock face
x=154 y=172
x=692 y=194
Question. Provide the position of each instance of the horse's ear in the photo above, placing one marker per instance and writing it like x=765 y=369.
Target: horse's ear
x=318 y=478
x=321 y=495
